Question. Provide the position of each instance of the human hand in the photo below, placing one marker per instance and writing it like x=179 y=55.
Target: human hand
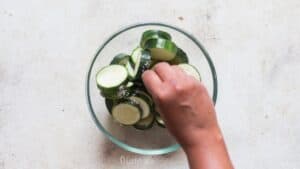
x=183 y=103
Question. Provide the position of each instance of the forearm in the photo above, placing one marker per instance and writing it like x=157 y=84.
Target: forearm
x=210 y=153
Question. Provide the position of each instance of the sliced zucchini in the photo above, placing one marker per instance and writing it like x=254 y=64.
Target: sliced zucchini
x=180 y=57
x=130 y=70
x=160 y=121
x=113 y=94
x=127 y=112
x=135 y=54
x=143 y=92
x=127 y=90
x=161 y=49
x=154 y=34
x=121 y=92
x=142 y=63
x=145 y=103
x=111 y=77
x=190 y=70
x=126 y=97
x=146 y=123
x=138 y=84
x=120 y=59
x=109 y=103
x=129 y=85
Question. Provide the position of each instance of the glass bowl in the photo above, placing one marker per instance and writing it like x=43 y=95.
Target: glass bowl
x=157 y=140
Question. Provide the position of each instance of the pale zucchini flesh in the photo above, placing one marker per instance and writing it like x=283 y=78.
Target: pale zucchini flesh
x=135 y=54
x=190 y=70
x=127 y=113
x=161 y=49
x=146 y=123
x=160 y=121
x=146 y=108
x=104 y=77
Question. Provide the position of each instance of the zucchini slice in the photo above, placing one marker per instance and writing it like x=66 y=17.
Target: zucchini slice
x=129 y=66
x=135 y=54
x=160 y=121
x=190 y=70
x=127 y=112
x=121 y=92
x=145 y=103
x=120 y=83
x=154 y=34
x=109 y=103
x=146 y=123
x=143 y=92
x=113 y=94
x=120 y=59
x=161 y=49
x=111 y=77
x=180 y=57
x=143 y=63
x=126 y=90
x=138 y=64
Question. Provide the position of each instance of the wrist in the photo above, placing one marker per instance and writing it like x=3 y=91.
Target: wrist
x=210 y=152
x=205 y=138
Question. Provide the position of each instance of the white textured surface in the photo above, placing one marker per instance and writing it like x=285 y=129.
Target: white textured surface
x=46 y=46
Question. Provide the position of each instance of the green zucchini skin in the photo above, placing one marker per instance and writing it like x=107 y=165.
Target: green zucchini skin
x=110 y=94
x=121 y=92
x=141 y=92
x=159 y=121
x=161 y=49
x=145 y=64
x=154 y=34
x=139 y=62
x=143 y=96
x=180 y=57
x=109 y=103
x=130 y=69
x=145 y=124
x=120 y=59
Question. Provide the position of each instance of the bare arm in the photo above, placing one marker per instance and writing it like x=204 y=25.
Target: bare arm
x=189 y=114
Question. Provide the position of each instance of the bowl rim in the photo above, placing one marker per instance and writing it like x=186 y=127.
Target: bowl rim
x=160 y=151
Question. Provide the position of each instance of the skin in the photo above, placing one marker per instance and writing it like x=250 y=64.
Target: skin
x=189 y=115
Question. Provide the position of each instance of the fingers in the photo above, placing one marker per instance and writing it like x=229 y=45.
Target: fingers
x=178 y=71
x=164 y=71
x=151 y=81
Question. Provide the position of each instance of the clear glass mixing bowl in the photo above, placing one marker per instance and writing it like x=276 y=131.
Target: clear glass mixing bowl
x=156 y=140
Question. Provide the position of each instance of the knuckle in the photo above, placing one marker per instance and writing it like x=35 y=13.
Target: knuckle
x=180 y=89
x=165 y=95
x=160 y=65
x=161 y=97
x=191 y=83
x=201 y=87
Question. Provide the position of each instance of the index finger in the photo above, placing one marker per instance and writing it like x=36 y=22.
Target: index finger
x=151 y=81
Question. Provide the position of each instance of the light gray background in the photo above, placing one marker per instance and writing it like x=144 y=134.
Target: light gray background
x=46 y=47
